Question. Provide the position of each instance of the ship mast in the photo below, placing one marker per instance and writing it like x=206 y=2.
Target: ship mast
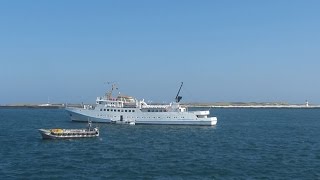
x=109 y=94
x=178 y=98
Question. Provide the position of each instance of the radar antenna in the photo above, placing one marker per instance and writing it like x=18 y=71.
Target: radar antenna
x=178 y=98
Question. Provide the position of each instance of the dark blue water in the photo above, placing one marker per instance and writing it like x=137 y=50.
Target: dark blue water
x=246 y=144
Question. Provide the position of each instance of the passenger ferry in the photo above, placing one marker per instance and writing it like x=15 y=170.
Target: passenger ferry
x=128 y=110
x=69 y=133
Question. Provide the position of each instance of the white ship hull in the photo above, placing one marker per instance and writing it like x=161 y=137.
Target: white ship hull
x=82 y=115
x=205 y=122
x=159 y=118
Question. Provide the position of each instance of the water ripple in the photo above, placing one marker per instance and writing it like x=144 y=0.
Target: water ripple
x=246 y=144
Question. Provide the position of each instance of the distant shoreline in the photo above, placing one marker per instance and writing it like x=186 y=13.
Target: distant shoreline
x=30 y=107
x=261 y=107
x=190 y=105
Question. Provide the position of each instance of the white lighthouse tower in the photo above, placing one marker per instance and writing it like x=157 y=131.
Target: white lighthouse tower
x=307 y=103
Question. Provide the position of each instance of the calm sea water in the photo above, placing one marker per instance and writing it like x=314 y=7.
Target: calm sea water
x=245 y=144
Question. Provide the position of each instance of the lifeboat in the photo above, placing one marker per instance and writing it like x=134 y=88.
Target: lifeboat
x=69 y=133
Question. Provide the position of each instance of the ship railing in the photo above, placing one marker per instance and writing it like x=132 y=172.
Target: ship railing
x=88 y=107
x=155 y=106
x=202 y=113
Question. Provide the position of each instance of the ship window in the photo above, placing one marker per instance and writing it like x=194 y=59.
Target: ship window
x=129 y=110
x=152 y=110
x=121 y=110
x=107 y=109
x=99 y=102
x=104 y=109
x=148 y=110
x=100 y=109
x=125 y=110
x=133 y=110
x=118 y=110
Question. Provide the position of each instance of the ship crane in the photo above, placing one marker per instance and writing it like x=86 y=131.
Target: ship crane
x=178 y=98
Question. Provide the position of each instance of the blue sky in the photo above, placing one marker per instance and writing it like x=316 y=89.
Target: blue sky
x=224 y=51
